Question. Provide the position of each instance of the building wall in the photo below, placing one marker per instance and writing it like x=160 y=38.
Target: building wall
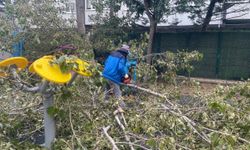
x=69 y=12
x=183 y=19
x=1 y=8
x=235 y=13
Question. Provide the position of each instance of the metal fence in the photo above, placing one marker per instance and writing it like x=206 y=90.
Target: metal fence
x=226 y=54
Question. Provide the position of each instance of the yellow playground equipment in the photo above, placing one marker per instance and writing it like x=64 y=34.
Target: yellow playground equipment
x=19 y=62
x=49 y=72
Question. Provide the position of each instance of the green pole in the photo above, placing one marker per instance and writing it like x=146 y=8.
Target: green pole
x=218 y=54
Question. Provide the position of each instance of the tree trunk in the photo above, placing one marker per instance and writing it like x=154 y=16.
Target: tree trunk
x=80 y=15
x=152 y=31
x=153 y=24
x=111 y=9
x=208 y=15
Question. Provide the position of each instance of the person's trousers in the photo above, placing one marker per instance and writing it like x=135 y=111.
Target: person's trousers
x=114 y=88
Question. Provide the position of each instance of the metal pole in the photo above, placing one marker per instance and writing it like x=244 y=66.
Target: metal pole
x=49 y=121
x=74 y=75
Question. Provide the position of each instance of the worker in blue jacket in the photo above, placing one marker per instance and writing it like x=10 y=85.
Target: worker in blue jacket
x=115 y=71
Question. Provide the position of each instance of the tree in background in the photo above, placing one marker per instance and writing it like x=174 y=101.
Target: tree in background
x=109 y=29
x=1 y=2
x=41 y=25
x=202 y=11
x=80 y=15
x=155 y=10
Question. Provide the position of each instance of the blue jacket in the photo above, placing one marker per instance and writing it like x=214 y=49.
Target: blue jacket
x=115 y=66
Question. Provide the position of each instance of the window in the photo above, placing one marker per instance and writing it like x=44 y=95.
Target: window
x=70 y=7
x=89 y=4
x=67 y=6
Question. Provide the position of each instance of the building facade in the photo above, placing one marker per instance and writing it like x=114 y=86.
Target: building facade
x=237 y=12
x=1 y=7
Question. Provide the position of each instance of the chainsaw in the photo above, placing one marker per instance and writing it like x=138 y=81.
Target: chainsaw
x=131 y=67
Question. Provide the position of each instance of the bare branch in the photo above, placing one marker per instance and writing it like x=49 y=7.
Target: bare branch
x=181 y=146
x=138 y=137
x=72 y=128
x=190 y=123
x=227 y=134
x=150 y=92
x=124 y=120
x=123 y=129
x=105 y=131
x=173 y=108
x=20 y=84
x=144 y=148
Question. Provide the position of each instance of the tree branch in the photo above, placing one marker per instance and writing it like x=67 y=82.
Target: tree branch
x=147 y=9
x=72 y=128
x=181 y=146
x=227 y=134
x=105 y=131
x=144 y=148
x=20 y=84
x=190 y=123
x=208 y=15
x=173 y=108
x=123 y=128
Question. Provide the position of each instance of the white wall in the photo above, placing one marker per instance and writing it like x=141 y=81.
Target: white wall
x=1 y=9
x=181 y=18
x=89 y=13
x=235 y=14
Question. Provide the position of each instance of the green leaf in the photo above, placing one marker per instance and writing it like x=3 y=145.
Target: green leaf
x=231 y=140
x=218 y=106
x=215 y=138
x=53 y=111
x=152 y=143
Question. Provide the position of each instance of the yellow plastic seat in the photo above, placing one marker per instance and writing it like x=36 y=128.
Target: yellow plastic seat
x=19 y=62
x=3 y=74
x=48 y=71
x=82 y=68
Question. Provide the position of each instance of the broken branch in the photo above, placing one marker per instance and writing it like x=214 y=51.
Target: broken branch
x=110 y=139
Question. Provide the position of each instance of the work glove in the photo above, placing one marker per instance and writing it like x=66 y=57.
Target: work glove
x=126 y=76
x=126 y=79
